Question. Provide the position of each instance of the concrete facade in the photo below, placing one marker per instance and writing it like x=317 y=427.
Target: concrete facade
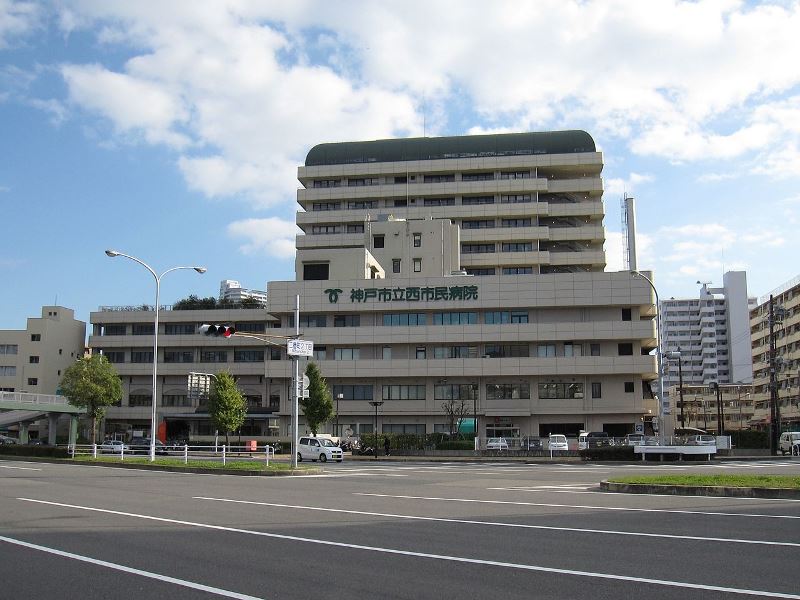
x=430 y=269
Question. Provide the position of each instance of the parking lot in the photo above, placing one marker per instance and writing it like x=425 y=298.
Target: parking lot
x=380 y=529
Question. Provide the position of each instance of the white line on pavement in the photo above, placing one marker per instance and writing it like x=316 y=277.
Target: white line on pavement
x=581 y=506
x=442 y=557
x=132 y=571
x=20 y=468
x=501 y=524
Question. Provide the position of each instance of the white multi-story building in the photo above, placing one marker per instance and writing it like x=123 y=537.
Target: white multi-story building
x=712 y=333
x=231 y=290
x=430 y=269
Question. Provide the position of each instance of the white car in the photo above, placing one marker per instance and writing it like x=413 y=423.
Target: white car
x=318 y=449
x=787 y=440
x=114 y=447
x=558 y=441
x=497 y=444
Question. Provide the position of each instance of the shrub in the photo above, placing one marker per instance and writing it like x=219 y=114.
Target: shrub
x=23 y=450
x=608 y=453
x=456 y=445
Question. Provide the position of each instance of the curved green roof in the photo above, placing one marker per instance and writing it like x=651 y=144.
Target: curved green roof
x=466 y=146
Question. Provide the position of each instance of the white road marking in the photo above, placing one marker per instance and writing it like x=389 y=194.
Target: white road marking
x=502 y=524
x=597 y=492
x=442 y=557
x=581 y=506
x=132 y=571
x=20 y=468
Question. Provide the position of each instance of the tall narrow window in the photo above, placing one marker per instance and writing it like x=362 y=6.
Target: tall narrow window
x=417 y=265
x=395 y=265
x=417 y=240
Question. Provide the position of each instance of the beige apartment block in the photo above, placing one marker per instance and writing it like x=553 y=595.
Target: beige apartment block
x=430 y=269
x=786 y=309
x=33 y=359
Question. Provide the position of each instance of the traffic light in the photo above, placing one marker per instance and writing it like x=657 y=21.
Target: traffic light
x=217 y=330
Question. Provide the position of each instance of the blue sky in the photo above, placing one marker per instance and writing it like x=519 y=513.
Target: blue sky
x=172 y=131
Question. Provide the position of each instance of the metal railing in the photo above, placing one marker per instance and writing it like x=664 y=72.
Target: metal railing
x=185 y=452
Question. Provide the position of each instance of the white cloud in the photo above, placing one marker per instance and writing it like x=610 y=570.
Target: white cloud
x=271 y=237
x=17 y=19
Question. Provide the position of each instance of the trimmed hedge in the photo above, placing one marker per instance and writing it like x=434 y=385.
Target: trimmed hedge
x=23 y=450
x=608 y=453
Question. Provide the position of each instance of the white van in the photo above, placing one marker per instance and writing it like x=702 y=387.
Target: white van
x=558 y=441
x=318 y=449
x=787 y=440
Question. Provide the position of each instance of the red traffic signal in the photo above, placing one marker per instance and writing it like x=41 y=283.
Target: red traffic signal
x=217 y=330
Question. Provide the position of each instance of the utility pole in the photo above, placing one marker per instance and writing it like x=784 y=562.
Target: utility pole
x=774 y=409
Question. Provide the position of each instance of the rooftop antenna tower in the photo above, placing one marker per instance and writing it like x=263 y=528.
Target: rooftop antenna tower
x=628 y=213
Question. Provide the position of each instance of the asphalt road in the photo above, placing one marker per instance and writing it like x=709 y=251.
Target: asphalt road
x=389 y=530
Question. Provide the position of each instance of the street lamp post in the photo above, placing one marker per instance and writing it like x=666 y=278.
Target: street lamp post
x=376 y=404
x=659 y=358
x=339 y=396
x=114 y=254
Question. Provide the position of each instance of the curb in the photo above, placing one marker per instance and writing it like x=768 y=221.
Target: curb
x=700 y=490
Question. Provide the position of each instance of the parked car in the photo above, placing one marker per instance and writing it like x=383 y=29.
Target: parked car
x=318 y=449
x=531 y=443
x=141 y=445
x=634 y=439
x=114 y=447
x=594 y=439
x=787 y=440
x=497 y=444
x=5 y=440
x=701 y=440
x=558 y=441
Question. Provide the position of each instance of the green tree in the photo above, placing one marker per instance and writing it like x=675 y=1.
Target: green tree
x=318 y=407
x=92 y=383
x=227 y=406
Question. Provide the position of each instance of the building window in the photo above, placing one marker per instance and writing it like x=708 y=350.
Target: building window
x=142 y=356
x=506 y=350
x=628 y=387
x=594 y=349
x=36 y=337
x=175 y=400
x=9 y=348
x=324 y=183
x=502 y=317
x=140 y=400
x=517 y=270
x=515 y=199
x=571 y=349
x=113 y=330
x=395 y=265
x=478 y=224
x=560 y=391
x=417 y=240
x=455 y=391
x=355 y=228
x=479 y=271
x=362 y=204
x=508 y=391
x=626 y=314
x=404 y=319
x=417 y=265
x=597 y=390
x=116 y=357
x=477 y=248
x=515 y=175
x=353 y=392
x=186 y=328
x=8 y=371
x=455 y=352
x=307 y=320
x=515 y=223
x=625 y=349
x=248 y=356
x=401 y=202
x=347 y=320
x=315 y=271
x=324 y=229
x=387 y=353
x=420 y=353
x=142 y=329
x=517 y=247
x=33 y=381
x=176 y=356
x=439 y=202
x=455 y=318
x=213 y=356
x=546 y=350
x=325 y=206
x=251 y=327
x=477 y=177
x=403 y=392
x=34 y=360
x=477 y=200
x=446 y=178
x=378 y=241
x=320 y=352
x=404 y=429
x=346 y=354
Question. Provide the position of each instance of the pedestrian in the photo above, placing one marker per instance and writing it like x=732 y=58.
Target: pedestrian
x=386 y=444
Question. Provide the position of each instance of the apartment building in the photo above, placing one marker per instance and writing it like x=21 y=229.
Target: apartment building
x=786 y=328
x=231 y=290
x=33 y=359
x=431 y=269
x=712 y=333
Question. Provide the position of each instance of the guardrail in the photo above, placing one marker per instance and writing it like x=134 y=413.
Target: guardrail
x=186 y=452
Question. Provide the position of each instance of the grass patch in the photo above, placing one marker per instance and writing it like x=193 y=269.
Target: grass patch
x=238 y=465
x=754 y=481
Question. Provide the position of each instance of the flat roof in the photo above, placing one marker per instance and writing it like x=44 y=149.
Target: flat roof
x=463 y=146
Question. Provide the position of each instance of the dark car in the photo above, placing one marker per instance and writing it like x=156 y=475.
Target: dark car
x=531 y=443
x=598 y=439
x=140 y=445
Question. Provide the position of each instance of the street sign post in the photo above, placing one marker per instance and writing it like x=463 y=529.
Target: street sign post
x=302 y=387
x=299 y=348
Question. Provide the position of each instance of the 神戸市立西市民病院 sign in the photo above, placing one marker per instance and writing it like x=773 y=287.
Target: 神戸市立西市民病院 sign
x=407 y=294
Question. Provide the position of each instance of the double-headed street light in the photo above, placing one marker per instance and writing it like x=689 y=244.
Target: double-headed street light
x=376 y=404
x=114 y=254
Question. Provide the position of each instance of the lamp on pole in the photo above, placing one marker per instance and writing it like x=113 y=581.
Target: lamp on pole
x=376 y=404
x=659 y=359
x=677 y=355
x=114 y=254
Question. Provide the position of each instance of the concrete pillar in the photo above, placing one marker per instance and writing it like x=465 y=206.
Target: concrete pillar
x=52 y=427
x=73 y=430
x=23 y=433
